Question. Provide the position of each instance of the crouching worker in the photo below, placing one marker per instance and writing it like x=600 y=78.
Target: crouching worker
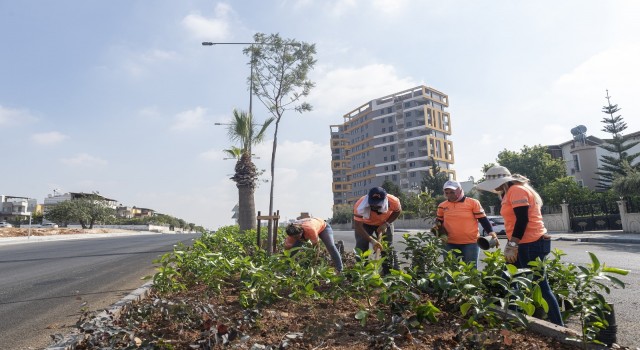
x=310 y=229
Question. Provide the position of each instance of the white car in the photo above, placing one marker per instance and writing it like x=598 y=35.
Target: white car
x=497 y=222
x=49 y=225
x=5 y=224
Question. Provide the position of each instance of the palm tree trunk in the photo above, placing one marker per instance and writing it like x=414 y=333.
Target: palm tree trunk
x=246 y=208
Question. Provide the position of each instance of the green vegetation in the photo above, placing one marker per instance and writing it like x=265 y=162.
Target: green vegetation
x=414 y=297
x=93 y=210
x=614 y=165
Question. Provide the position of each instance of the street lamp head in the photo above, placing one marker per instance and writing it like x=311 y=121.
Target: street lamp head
x=207 y=43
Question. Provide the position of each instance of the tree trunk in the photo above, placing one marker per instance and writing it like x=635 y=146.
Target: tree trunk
x=271 y=231
x=246 y=208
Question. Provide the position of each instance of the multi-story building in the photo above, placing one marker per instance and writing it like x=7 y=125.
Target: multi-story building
x=12 y=207
x=397 y=137
x=56 y=198
x=583 y=155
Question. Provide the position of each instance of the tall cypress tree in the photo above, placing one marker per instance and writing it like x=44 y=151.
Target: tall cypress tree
x=617 y=147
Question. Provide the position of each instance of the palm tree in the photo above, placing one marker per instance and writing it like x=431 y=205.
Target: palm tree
x=245 y=131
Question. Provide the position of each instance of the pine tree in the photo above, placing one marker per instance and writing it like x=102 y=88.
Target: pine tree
x=617 y=147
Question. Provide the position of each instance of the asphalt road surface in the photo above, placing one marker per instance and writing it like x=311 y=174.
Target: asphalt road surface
x=45 y=286
x=622 y=255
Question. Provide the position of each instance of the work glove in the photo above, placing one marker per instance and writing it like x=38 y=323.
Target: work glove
x=495 y=236
x=382 y=228
x=439 y=231
x=376 y=245
x=511 y=253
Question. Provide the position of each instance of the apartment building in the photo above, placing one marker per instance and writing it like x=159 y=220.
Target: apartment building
x=395 y=137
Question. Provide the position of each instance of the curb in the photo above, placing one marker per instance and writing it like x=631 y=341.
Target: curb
x=70 y=341
x=599 y=240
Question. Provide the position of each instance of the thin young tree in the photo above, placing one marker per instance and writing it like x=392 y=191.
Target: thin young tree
x=246 y=133
x=279 y=80
x=618 y=146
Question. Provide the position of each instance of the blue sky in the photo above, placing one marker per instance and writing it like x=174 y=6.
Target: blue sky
x=120 y=97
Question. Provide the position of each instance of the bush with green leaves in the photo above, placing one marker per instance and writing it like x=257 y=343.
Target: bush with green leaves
x=496 y=297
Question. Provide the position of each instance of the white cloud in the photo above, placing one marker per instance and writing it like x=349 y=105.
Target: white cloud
x=303 y=179
x=84 y=159
x=216 y=28
x=390 y=6
x=48 y=138
x=137 y=64
x=150 y=113
x=189 y=120
x=212 y=154
x=341 y=90
x=10 y=116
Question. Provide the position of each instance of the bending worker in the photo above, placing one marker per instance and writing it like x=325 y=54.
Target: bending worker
x=310 y=229
x=373 y=215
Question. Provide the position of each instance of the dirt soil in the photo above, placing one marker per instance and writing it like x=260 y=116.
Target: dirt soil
x=23 y=232
x=189 y=320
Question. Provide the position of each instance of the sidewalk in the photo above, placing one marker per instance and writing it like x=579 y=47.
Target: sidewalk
x=65 y=237
x=597 y=236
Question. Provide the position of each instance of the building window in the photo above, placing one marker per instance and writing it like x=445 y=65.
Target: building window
x=392 y=148
x=384 y=149
x=384 y=130
x=390 y=119
x=576 y=162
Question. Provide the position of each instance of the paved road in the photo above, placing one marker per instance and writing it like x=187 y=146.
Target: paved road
x=623 y=255
x=44 y=286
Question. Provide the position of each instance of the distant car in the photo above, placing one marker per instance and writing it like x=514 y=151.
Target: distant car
x=497 y=222
x=49 y=225
x=5 y=224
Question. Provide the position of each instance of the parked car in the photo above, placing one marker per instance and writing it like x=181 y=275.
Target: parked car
x=49 y=225
x=5 y=224
x=497 y=222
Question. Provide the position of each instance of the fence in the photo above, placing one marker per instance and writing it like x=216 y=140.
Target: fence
x=556 y=219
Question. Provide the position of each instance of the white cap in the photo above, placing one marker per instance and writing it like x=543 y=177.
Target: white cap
x=454 y=185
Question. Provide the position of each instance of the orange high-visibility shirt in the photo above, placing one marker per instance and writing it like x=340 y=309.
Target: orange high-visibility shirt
x=312 y=228
x=461 y=220
x=519 y=196
x=375 y=218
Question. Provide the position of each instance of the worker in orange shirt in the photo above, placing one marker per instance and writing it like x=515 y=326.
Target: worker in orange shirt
x=528 y=239
x=373 y=215
x=310 y=229
x=459 y=215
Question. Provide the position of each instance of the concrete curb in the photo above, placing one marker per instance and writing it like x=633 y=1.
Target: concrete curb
x=70 y=341
x=599 y=240
x=561 y=334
